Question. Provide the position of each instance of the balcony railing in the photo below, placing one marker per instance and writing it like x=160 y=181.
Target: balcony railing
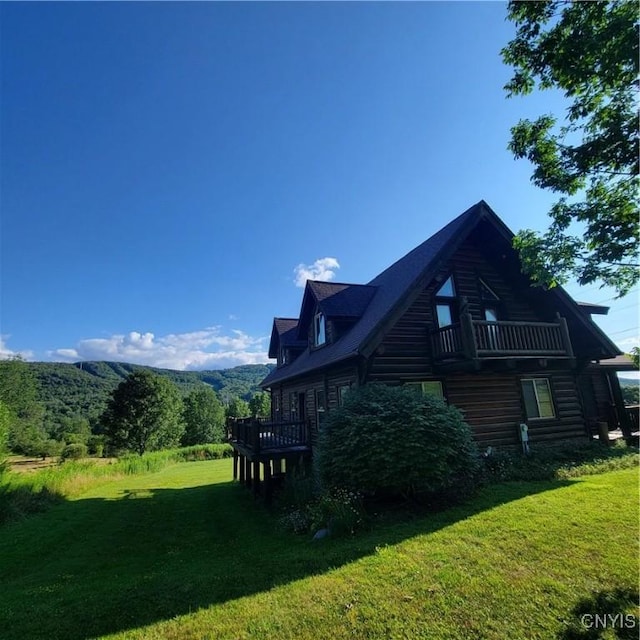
x=483 y=339
x=261 y=436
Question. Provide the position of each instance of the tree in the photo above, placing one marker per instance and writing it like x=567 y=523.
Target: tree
x=260 y=405
x=5 y=421
x=19 y=393
x=238 y=408
x=635 y=356
x=144 y=414
x=590 y=52
x=203 y=417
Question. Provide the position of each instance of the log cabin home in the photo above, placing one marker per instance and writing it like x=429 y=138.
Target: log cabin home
x=454 y=317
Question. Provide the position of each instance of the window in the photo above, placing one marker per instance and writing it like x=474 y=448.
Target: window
x=428 y=387
x=319 y=330
x=538 y=402
x=276 y=403
x=342 y=392
x=293 y=405
x=321 y=406
x=447 y=290
x=445 y=299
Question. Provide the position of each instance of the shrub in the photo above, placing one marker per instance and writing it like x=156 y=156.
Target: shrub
x=95 y=445
x=339 y=510
x=392 y=440
x=74 y=451
x=558 y=462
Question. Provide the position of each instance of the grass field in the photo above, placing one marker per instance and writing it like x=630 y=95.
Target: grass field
x=185 y=553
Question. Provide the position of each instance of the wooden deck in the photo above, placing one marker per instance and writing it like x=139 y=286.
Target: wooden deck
x=264 y=451
x=480 y=339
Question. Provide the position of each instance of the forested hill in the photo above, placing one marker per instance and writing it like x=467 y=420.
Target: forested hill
x=82 y=389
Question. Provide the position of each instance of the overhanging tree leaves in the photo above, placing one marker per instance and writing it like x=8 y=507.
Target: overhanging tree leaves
x=589 y=51
x=144 y=414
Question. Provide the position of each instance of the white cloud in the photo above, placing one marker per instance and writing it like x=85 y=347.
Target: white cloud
x=321 y=269
x=205 y=349
x=5 y=352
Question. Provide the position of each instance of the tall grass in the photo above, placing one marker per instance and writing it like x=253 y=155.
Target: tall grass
x=23 y=494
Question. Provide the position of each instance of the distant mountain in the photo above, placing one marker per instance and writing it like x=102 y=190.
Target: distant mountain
x=82 y=389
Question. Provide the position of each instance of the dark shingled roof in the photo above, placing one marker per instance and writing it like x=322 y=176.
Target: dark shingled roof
x=284 y=334
x=390 y=290
x=390 y=287
x=337 y=300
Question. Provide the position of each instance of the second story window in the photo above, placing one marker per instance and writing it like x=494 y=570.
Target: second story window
x=319 y=330
x=445 y=303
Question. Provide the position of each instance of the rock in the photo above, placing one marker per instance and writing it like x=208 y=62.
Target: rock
x=321 y=533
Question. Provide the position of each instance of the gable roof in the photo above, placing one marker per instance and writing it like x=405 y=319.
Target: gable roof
x=284 y=333
x=396 y=288
x=334 y=300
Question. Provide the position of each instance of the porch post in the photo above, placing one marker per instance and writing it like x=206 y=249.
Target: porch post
x=623 y=417
x=468 y=336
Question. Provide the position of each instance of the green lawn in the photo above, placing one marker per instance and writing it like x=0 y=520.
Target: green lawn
x=185 y=553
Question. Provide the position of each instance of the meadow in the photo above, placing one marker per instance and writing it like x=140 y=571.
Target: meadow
x=183 y=552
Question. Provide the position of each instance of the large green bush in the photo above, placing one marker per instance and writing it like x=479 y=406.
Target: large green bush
x=393 y=440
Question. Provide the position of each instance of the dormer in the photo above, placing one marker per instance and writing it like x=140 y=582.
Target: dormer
x=285 y=346
x=330 y=309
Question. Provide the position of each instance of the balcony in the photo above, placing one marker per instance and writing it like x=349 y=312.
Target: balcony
x=264 y=452
x=257 y=438
x=483 y=340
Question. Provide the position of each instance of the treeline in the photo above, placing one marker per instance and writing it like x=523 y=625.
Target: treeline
x=54 y=409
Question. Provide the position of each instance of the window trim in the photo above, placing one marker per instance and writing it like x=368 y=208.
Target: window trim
x=450 y=302
x=319 y=329
x=415 y=383
x=340 y=394
x=535 y=380
x=321 y=408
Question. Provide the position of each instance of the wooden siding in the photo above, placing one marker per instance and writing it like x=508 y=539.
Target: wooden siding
x=405 y=353
x=328 y=382
x=468 y=265
x=493 y=407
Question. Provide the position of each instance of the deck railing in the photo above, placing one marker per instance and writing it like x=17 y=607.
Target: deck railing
x=483 y=339
x=633 y=415
x=262 y=436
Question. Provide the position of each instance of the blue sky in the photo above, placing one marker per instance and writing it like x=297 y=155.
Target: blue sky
x=171 y=171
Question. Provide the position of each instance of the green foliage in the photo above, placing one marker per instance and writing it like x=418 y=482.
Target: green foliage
x=144 y=414
x=590 y=52
x=19 y=393
x=17 y=502
x=559 y=462
x=238 y=408
x=68 y=391
x=70 y=430
x=5 y=423
x=635 y=356
x=394 y=440
x=260 y=405
x=74 y=451
x=340 y=511
x=630 y=393
x=203 y=417
x=95 y=445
